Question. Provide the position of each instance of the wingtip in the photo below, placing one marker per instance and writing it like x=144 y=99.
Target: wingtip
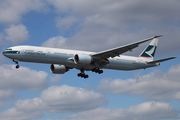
x=173 y=57
x=158 y=36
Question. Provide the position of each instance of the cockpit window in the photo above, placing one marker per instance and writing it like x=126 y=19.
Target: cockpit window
x=9 y=49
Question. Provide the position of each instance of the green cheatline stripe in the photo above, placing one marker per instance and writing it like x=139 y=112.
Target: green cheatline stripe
x=10 y=52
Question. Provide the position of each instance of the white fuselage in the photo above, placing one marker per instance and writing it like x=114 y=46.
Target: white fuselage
x=66 y=58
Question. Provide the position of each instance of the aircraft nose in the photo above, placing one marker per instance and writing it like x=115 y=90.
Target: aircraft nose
x=7 y=53
x=4 y=53
x=10 y=52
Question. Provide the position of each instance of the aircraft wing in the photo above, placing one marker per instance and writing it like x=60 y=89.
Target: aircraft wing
x=119 y=50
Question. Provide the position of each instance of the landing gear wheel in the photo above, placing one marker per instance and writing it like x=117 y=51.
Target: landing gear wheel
x=82 y=74
x=86 y=76
x=97 y=70
x=79 y=74
x=17 y=66
x=100 y=71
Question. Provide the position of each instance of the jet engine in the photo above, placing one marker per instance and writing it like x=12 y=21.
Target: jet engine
x=58 y=69
x=82 y=59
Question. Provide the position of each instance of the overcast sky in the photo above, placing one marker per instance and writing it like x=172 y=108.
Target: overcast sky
x=34 y=93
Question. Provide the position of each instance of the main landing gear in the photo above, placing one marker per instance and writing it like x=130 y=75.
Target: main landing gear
x=82 y=74
x=17 y=64
x=97 y=70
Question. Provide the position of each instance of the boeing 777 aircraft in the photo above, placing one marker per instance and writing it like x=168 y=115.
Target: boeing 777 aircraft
x=63 y=60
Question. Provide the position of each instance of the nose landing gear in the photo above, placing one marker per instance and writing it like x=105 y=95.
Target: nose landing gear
x=17 y=64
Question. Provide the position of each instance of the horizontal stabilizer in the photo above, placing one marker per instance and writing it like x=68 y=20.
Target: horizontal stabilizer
x=161 y=60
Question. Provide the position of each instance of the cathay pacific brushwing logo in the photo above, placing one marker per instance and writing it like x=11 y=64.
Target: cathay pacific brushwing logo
x=149 y=52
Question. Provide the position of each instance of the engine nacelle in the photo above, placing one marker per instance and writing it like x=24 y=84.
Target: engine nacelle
x=58 y=69
x=82 y=59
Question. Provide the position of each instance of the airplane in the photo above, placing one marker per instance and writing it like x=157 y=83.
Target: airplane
x=62 y=60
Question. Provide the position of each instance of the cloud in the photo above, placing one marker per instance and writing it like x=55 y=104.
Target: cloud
x=116 y=23
x=1 y=38
x=155 y=86
x=6 y=94
x=63 y=99
x=15 y=114
x=22 y=79
x=56 y=42
x=67 y=24
x=71 y=99
x=146 y=111
x=2 y=58
x=17 y=33
x=55 y=79
x=12 y=10
x=55 y=99
x=3 y=103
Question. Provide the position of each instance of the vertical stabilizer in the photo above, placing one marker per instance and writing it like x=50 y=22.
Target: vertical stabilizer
x=149 y=51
